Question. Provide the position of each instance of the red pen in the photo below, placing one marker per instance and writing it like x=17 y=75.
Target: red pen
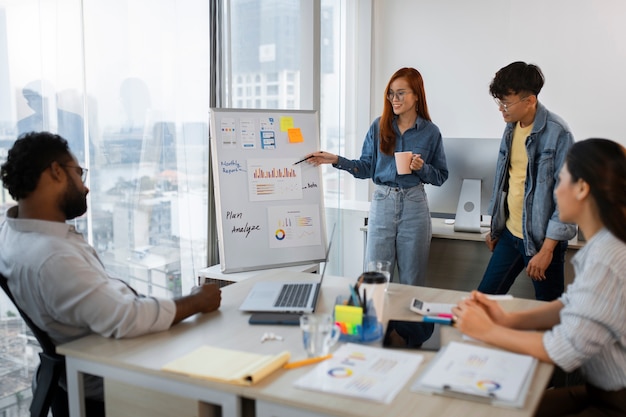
x=446 y=315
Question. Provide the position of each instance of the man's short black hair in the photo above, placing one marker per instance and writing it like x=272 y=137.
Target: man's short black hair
x=518 y=77
x=30 y=155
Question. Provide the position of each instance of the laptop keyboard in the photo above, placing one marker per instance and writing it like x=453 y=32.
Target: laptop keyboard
x=294 y=295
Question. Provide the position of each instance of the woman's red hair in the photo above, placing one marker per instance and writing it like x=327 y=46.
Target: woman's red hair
x=387 y=134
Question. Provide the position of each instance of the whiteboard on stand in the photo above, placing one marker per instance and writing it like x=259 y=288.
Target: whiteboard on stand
x=269 y=208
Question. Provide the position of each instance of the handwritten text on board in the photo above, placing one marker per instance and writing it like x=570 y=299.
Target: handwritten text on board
x=238 y=229
x=232 y=166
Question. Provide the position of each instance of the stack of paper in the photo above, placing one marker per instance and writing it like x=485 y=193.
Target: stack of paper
x=478 y=373
x=362 y=371
x=226 y=365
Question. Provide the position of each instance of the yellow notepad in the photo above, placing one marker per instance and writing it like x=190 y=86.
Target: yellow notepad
x=226 y=365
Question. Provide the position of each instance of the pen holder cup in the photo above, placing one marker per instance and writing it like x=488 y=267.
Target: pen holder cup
x=368 y=330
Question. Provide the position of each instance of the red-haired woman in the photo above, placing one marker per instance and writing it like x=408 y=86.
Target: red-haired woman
x=399 y=227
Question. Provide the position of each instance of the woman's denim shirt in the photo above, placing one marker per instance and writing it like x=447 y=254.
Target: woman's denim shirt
x=546 y=146
x=424 y=138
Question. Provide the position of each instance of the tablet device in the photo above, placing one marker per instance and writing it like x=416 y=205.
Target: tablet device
x=290 y=319
x=412 y=335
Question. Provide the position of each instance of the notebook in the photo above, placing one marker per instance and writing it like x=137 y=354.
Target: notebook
x=286 y=297
x=227 y=365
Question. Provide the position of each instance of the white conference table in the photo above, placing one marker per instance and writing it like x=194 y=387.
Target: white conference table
x=138 y=361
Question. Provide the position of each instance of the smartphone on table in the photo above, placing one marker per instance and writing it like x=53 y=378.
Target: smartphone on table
x=412 y=335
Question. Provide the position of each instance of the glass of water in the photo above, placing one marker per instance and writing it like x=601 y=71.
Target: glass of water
x=319 y=334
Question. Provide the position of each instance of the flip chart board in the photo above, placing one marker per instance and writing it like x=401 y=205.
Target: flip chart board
x=269 y=209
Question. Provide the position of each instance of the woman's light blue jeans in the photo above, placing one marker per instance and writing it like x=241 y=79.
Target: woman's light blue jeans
x=399 y=231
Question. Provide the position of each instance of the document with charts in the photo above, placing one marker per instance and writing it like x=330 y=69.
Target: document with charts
x=478 y=373
x=362 y=371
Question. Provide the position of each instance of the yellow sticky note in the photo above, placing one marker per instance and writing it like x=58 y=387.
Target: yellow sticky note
x=295 y=135
x=348 y=314
x=286 y=123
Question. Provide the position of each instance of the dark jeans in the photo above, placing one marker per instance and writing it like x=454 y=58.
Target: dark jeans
x=509 y=259
x=582 y=401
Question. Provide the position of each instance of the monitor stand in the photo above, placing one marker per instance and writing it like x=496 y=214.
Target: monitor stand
x=468 y=210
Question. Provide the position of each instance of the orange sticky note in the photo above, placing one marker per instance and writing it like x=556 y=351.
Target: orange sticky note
x=295 y=135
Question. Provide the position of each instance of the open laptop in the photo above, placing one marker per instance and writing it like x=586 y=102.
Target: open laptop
x=286 y=297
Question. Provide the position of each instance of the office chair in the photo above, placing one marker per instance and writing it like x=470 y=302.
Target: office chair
x=51 y=366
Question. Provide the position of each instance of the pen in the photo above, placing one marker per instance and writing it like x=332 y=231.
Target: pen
x=304 y=362
x=356 y=301
x=364 y=302
x=302 y=160
x=440 y=320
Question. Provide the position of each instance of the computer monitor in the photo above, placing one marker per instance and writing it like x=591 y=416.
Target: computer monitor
x=468 y=159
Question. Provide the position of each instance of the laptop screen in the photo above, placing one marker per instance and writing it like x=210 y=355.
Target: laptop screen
x=330 y=244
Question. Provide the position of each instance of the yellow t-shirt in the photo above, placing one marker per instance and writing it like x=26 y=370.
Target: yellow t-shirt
x=517 y=179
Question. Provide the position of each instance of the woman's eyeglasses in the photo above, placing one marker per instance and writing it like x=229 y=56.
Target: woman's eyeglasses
x=399 y=95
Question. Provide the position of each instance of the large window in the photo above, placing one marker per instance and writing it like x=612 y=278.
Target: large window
x=273 y=47
x=270 y=44
x=127 y=83
x=265 y=56
x=41 y=85
x=148 y=95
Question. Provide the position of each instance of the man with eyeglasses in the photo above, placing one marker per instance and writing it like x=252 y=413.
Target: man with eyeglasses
x=526 y=232
x=55 y=276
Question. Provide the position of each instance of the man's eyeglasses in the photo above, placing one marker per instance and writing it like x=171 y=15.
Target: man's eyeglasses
x=399 y=95
x=507 y=106
x=80 y=170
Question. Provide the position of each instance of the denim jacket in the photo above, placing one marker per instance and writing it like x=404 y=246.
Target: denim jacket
x=547 y=146
x=424 y=138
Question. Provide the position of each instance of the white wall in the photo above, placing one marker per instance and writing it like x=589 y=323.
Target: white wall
x=458 y=45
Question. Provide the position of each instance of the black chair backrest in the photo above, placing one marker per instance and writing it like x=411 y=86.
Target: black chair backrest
x=42 y=337
x=51 y=367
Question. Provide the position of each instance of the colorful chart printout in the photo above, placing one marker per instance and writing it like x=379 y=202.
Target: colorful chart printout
x=274 y=179
x=292 y=226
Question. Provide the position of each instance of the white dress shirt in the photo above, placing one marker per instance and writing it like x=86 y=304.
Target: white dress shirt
x=592 y=332
x=60 y=283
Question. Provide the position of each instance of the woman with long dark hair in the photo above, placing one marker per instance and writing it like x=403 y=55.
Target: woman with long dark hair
x=585 y=328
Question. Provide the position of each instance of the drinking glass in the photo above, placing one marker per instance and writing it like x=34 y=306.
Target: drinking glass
x=319 y=334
